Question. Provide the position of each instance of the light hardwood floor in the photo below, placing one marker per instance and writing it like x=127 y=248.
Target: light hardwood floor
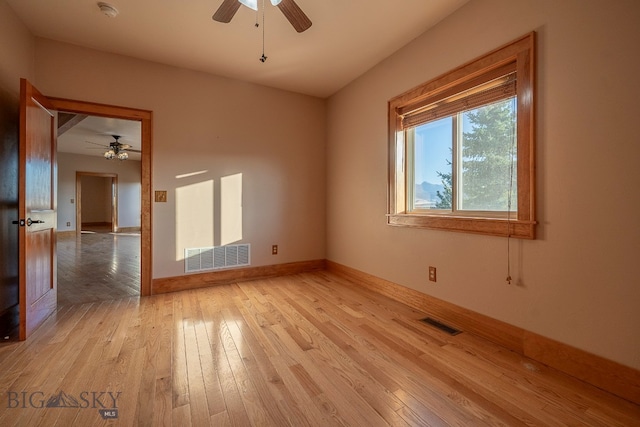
x=304 y=350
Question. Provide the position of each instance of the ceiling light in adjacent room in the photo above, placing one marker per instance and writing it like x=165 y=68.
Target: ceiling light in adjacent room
x=117 y=150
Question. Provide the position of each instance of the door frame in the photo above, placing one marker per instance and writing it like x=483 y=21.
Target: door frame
x=113 y=195
x=145 y=117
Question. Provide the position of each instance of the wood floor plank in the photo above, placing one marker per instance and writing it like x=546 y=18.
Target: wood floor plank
x=213 y=392
x=289 y=397
x=459 y=398
x=302 y=401
x=265 y=377
x=331 y=382
x=488 y=382
x=255 y=405
x=180 y=374
x=155 y=359
x=162 y=410
x=118 y=334
x=236 y=410
x=208 y=332
x=346 y=343
x=220 y=419
x=197 y=395
x=162 y=402
x=181 y=416
x=362 y=380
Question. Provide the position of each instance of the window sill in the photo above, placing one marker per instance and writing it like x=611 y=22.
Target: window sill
x=488 y=226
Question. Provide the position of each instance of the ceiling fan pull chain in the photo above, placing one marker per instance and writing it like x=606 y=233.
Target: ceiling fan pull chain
x=257 y=18
x=263 y=58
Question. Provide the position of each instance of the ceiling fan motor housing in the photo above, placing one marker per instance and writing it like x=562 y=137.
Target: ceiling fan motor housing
x=108 y=9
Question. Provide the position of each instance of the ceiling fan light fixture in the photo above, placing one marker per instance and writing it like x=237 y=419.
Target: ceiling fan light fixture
x=108 y=9
x=252 y=4
x=117 y=150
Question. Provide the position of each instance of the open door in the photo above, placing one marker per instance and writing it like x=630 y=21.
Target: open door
x=37 y=209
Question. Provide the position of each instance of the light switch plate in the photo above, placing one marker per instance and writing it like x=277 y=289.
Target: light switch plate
x=161 y=196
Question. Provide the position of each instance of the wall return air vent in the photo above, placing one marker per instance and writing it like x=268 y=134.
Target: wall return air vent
x=216 y=257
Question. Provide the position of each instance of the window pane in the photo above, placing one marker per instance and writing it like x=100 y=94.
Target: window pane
x=432 y=165
x=488 y=158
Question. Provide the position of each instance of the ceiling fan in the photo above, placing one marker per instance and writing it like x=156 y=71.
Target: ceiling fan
x=289 y=9
x=116 y=149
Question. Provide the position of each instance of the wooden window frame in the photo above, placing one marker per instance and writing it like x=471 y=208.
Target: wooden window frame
x=519 y=53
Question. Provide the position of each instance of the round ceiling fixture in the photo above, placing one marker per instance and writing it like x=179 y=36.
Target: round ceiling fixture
x=108 y=9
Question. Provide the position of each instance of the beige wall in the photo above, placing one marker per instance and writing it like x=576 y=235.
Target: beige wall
x=94 y=198
x=16 y=51
x=210 y=133
x=578 y=282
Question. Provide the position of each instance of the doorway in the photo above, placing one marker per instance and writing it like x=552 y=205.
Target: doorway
x=98 y=254
x=144 y=117
x=96 y=202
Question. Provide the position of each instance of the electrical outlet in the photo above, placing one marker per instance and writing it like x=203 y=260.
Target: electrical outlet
x=68 y=224
x=274 y=250
x=432 y=274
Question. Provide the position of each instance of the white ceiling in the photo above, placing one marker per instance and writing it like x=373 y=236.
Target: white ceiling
x=92 y=136
x=346 y=39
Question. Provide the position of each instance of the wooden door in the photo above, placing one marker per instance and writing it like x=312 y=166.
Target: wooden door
x=37 y=209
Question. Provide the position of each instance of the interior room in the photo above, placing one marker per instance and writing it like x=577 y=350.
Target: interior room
x=286 y=256
x=98 y=208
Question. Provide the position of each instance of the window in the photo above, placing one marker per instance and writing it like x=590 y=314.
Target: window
x=461 y=148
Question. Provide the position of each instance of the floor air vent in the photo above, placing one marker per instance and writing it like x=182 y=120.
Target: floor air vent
x=216 y=257
x=445 y=328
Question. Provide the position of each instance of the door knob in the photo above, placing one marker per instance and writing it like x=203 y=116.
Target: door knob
x=30 y=221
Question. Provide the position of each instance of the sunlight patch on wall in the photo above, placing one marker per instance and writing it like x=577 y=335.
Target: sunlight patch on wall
x=187 y=175
x=230 y=209
x=194 y=216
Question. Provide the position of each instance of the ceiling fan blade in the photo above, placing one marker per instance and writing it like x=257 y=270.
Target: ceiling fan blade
x=295 y=15
x=226 y=11
x=95 y=143
x=132 y=150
